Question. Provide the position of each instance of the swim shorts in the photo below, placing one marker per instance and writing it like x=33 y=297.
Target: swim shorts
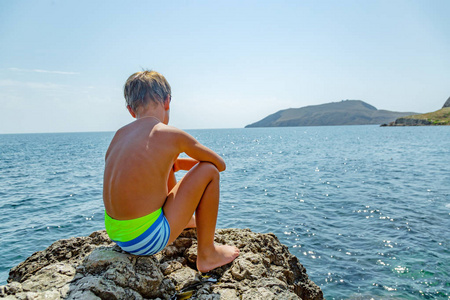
x=146 y=235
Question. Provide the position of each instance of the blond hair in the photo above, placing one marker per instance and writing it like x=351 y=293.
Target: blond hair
x=145 y=86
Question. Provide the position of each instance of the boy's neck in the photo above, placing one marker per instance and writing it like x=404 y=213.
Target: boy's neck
x=156 y=113
x=153 y=117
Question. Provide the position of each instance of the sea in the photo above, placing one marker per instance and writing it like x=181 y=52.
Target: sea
x=366 y=209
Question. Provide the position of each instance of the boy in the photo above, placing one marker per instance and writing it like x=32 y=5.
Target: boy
x=145 y=208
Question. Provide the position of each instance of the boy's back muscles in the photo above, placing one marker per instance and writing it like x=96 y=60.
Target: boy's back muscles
x=136 y=171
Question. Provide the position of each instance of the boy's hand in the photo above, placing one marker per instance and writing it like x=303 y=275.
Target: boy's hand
x=184 y=164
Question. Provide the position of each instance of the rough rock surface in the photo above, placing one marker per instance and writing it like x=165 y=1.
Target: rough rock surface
x=409 y=122
x=94 y=268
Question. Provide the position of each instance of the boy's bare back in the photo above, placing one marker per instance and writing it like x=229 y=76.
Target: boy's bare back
x=137 y=168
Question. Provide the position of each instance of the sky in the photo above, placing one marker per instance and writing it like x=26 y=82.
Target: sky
x=63 y=64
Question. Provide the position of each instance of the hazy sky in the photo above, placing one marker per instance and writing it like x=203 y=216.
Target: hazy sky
x=230 y=63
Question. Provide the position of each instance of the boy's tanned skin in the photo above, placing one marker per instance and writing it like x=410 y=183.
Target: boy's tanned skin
x=139 y=179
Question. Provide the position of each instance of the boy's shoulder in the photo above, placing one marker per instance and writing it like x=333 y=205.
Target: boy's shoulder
x=167 y=131
x=158 y=129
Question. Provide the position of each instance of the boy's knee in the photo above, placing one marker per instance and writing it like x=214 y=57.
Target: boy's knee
x=210 y=168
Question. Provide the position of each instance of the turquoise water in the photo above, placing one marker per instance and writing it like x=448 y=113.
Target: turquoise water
x=365 y=209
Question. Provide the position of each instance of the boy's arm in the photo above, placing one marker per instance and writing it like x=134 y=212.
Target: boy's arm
x=184 y=164
x=199 y=152
x=180 y=164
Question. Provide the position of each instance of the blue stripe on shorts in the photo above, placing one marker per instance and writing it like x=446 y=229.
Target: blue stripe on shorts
x=153 y=240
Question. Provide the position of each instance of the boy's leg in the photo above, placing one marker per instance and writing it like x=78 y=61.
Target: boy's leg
x=185 y=197
x=192 y=223
x=170 y=185
x=199 y=191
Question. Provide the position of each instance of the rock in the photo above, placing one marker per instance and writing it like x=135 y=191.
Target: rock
x=93 y=267
x=411 y=122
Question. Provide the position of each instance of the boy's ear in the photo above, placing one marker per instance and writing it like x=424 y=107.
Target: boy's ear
x=167 y=102
x=130 y=110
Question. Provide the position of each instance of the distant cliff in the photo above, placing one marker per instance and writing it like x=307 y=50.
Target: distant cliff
x=439 y=117
x=447 y=103
x=346 y=112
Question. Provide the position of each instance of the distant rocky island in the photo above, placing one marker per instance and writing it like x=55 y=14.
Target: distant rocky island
x=439 y=117
x=345 y=112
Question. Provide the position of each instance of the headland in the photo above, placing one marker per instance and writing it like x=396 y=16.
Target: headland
x=439 y=117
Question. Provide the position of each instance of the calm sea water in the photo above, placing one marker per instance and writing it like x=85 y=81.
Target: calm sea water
x=365 y=209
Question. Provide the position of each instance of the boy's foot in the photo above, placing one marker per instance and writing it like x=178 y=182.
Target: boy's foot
x=218 y=256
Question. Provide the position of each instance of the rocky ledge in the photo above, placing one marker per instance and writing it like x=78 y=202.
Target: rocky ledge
x=94 y=268
x=409 y=122
x=439 y=117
